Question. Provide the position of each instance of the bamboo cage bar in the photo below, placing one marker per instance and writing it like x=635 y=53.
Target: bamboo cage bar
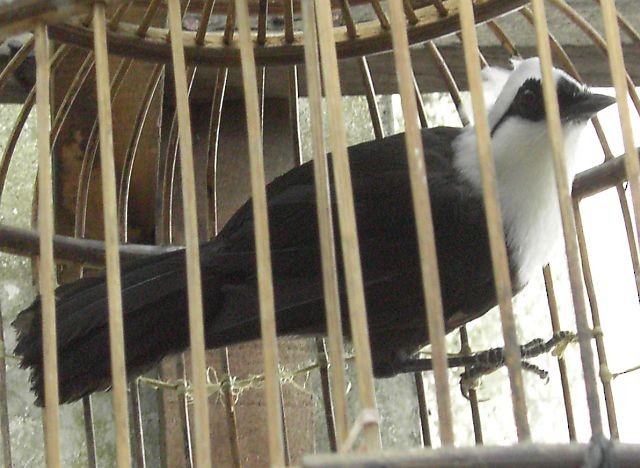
x=624 y=205
x=207 y=9
x=89 y=431
x=334 y=341
x=624 y=87
x=24 y=242
x=454 y=93
x=90 y=153
x=213 y=141
x=112 y=257
x=473 y=396
x=261 y=229
x=15 y=62
x=562 y=365
x=604 y=374
x=262 y=22
x=220 y=49
x=322 y=355
x=129 y=159
x=449 y=81
x=598 y=41
x=46 y=264
x=494 y=222
x=118 y=14
x=348 y=230
x=535 y=456
x=294 y=114
x=21 y=120
x=5 y=426
x=202 y=452
x=374 y=111
x=348 y=18
x=382 y=17
x=314 y=34
x=424 y=223
x=568 y=221
x=147 y=19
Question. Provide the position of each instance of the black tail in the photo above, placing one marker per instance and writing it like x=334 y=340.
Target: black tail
x=155 y=317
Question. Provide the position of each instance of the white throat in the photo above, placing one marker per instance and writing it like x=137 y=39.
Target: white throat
x=526 y=187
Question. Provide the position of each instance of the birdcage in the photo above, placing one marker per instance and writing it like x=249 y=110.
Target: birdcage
x=157 y=120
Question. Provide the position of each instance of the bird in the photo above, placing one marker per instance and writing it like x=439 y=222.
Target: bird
x=155 y=310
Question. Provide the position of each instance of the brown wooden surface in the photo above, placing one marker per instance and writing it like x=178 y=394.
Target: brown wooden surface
x=232 y=190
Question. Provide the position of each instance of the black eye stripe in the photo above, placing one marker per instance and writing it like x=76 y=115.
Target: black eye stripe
x=528 y=103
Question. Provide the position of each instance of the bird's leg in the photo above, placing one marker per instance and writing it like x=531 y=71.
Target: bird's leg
x=493 y=357
x=485 y=362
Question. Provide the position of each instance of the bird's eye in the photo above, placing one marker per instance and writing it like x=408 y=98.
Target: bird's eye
x=529 y=98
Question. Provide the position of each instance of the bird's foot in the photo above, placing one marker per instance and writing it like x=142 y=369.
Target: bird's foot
x=482 y=363
x=487 y=362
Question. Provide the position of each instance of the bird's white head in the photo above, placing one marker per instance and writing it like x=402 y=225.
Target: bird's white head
x=523 y=157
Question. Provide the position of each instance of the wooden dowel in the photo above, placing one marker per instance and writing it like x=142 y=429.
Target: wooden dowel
x=562 y=365
x=566 y=212
x=335 y=342
x=262 y=243
x=201 y=437
x=424 y=222
x=347 y=224
x=46 y=270
x=494 y=221
x=109 y=194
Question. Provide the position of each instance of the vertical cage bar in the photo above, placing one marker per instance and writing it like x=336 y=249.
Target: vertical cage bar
x=347 y=17
x=568 y=221
x=46 y=274
x=207 y=8
x=421 y=394
x=261 y=230
x=604 y=374
x=374 y=112
x=194 y=282
x=214 y=138
x=325 y=384
x=494 y=221
x=288 y=20
x=473 y=396
x=112 y=257
x=562 y=365
x=87 y=413
x=5 y=429
x=347 y=225
x=137 y=432
x=146 y=20
x=624 y=206
x=294 y=117
x=424 y=222
x=325 y=226
x=379 y=11
x=621 y=85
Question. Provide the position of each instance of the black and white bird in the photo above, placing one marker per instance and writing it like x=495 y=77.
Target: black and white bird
x=154 y=289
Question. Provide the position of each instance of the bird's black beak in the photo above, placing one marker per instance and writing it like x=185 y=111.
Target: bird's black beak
x=584 y=106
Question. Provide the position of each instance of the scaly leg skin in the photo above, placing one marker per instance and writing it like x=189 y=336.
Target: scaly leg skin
x=485 y=362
